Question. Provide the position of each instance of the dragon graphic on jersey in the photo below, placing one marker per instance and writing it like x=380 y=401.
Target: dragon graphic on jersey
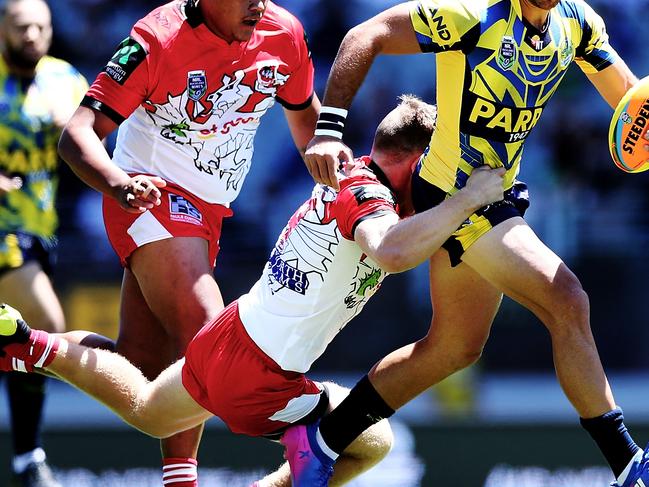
x=221 y=114
x=307 y=246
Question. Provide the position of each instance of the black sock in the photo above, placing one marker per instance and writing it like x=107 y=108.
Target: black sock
x=612 y=438
x=358 y=411
x=26 y=397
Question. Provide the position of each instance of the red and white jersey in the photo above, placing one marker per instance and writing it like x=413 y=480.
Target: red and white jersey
x=189 y=103
x=317 y=277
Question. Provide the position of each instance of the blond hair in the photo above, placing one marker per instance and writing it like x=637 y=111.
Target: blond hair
x=407 y=128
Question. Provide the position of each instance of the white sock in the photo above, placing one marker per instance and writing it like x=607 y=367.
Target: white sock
x=22 y=461
x=324 y=447
x=637 y=457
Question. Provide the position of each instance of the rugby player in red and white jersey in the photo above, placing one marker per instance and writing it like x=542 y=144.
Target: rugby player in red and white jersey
x=248 y=365
x=188 y=89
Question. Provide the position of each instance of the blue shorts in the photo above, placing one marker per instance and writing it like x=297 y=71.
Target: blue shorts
x=515 y=203
x=16 y=249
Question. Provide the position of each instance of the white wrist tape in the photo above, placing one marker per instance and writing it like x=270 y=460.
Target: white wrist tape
x=331 y=122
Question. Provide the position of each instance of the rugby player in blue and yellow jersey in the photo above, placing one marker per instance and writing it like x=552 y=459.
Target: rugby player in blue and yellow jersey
x=38 y=93
x=498 y=64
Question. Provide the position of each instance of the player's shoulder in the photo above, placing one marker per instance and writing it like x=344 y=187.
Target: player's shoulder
x=463 y=8
x=163 y=22
x=575 y=9
x=52 y=66
x=279 y=19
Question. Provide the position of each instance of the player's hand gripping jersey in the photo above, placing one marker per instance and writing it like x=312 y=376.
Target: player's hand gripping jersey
x=317 y=279
x=495 y=74
x=191 y=103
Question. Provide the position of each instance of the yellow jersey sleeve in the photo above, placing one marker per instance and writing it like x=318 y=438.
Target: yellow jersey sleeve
x=594 y=53
x=446 y=25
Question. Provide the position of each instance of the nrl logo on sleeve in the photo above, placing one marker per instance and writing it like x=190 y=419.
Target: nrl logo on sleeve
x=129 y=55
x=196 y=84
x=507 y=53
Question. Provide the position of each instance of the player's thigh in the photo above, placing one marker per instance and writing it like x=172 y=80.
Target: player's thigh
x=514 y=260
x=167 y=401
x=29 y=289
x=374 y=441
x=176 y=280
x=141 y=339
x=464 y=304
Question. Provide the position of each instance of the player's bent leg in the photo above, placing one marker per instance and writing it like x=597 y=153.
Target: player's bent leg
x=174 y=278
x=459 y=330
x=514 y=260
x=159 y=408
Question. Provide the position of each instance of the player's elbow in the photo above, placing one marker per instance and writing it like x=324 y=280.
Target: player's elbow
x=364 y=37
x=393 y=260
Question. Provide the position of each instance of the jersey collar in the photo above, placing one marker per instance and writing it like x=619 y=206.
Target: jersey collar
x=380 y=175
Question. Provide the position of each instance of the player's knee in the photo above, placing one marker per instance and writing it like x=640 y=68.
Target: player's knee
x=571 y=308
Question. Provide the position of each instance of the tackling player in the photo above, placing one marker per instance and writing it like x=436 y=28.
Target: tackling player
x=247 y=366
x=38 y=95
x=498 y=64
x=188 y=89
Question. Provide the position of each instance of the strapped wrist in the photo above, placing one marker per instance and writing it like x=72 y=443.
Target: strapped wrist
x=331 y=122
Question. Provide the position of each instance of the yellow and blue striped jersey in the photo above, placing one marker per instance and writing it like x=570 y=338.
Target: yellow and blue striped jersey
x=495 y=74
x=28 y=140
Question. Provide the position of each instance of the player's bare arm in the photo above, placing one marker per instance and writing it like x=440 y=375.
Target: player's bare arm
x=390 y=32
x=302 y=124
x=82 y=148
x=401 y=245
x=613 y=82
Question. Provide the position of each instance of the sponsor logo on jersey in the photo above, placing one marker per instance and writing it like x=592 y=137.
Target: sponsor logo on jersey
x=537 y=42
x=196 y=84
x=497 y=122
x=373 y=192
x=507 y=53
x=287 y=275
x=181 y=210
x=640 y=124
x=129 y=55
x=440 y=26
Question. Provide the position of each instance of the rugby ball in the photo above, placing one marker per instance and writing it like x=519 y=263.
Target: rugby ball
x=628 y=127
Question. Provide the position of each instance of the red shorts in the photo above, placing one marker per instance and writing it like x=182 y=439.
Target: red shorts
x=230 y=376
x=180 y=214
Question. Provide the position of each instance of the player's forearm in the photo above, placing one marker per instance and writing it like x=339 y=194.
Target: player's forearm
x=81 y=148
x=413 y=240
x=355 y=56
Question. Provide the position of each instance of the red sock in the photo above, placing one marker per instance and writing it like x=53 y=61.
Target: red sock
x=39 y=351
x=179 y=472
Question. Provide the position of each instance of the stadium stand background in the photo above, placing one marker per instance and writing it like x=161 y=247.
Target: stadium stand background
x=589 y=212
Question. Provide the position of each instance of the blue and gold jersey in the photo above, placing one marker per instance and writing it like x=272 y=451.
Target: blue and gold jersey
x=495 y=74
x=28 y=140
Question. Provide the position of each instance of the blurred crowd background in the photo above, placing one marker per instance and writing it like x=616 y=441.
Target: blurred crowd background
x=592 y=214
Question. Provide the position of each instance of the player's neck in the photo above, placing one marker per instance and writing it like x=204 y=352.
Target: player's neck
x=536 y=16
